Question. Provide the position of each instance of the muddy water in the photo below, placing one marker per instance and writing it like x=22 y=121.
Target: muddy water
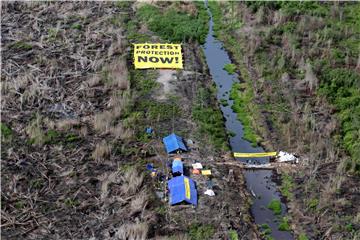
x=259 y=182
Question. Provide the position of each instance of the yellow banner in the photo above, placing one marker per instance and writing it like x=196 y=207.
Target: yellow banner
x=263 y=154
x=157 y=55
x=187 y=188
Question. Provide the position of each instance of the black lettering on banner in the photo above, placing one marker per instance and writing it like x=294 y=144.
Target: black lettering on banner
x=154 y=59
x=164 y=60
x=142 y=59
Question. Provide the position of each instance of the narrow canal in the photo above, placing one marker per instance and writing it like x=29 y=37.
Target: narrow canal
x=259 y=182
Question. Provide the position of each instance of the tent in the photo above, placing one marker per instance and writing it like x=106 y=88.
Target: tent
x=177 y=167
x=182 y=189
x=174 y=143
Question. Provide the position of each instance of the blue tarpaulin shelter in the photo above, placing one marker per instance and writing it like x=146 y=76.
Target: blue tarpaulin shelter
x=177 y=167
x=182 y=189
x=174 y=143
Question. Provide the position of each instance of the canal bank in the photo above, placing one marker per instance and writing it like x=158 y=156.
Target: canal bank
x=259 y=182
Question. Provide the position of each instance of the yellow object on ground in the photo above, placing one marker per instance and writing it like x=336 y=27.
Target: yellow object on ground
x=187 y=188
x=263 y=154
x=206 y=172
x=157 y=55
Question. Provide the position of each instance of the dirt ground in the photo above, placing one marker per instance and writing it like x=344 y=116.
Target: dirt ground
x=73 y=165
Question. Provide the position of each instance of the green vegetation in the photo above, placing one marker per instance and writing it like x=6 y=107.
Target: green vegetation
x=210 y=120
x=341 y=86
x=265 y=231
x=6 y=132
x=275 y=206
x=174 y=25
x=287 y=185
x=284 y=224
x=233 y=235
x=76 y=26
x=36 y=183
x=69 y=202
x=224 y=102
x=313 y=203
x=200 y=232
x=303 y=236
x=19 y=204
x=20 y=45
x=144 y=81
x=242 y=96
x=230 y=68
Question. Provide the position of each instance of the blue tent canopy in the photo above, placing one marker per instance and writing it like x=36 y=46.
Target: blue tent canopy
x=173 y=143
x=177 y=166
x=181 y=189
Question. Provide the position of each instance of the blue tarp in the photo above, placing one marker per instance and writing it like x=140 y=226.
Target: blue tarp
x=149 y=130
x=177 y=166
x=173 y=143
x=177 y=190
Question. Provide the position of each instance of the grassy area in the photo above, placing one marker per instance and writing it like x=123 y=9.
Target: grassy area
x=210 y=120
x=303 y=236
x=230 y=68
x=242 y=97
x=265 y=231
x=287 y=185
x=174 y=25
x=6 y=132
x=275 y=206
x=284 y=224
x=233 y=235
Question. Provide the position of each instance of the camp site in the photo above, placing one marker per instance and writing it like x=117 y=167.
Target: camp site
x=180 y=120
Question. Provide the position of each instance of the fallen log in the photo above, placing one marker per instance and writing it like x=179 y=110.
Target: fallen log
x=268 y=166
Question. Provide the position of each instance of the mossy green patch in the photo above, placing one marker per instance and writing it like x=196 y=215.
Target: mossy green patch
x=230 y=68
x=210 y=119
x=287 y=185
x=224 y=102
x=284 y=224
x=6 y=132
x=275 y=206
x=233 y=235
x=242 y=97
x=265 y=231
x=77 y=26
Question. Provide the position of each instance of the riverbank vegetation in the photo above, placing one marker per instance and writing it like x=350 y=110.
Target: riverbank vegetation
x=175 y=24
x=301 y=60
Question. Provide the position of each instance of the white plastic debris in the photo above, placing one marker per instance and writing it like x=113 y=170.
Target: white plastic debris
x=286 y=157
x=197 y=166
x=209 y=192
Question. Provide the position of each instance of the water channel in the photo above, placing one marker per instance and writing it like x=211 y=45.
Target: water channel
x=259 y=182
